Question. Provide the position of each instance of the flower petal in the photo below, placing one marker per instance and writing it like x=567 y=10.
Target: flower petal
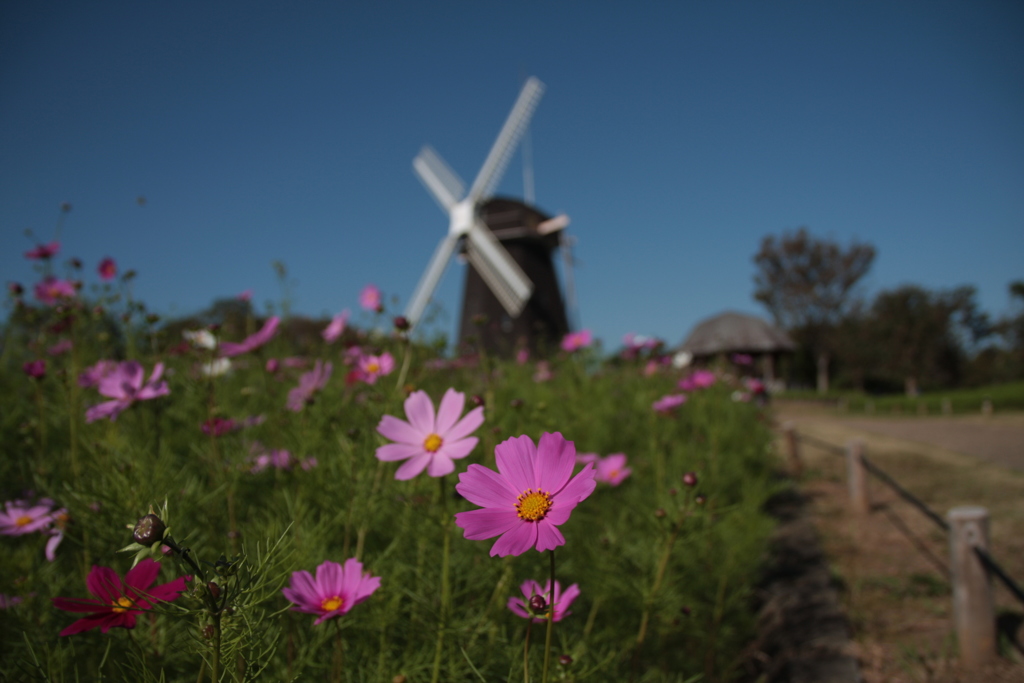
x=556 y=459
x=420 y=411
x=487 y=523
x=400 y=430
x=548 y=536
x=515 y=458
x=141 y=576
x=465 y=426
x=440 y=465
x=516 y=540
x=105 y=584
x=454 y=450
x=413 y=466
x=486 y=488
x=448 y=412
x=398 y=451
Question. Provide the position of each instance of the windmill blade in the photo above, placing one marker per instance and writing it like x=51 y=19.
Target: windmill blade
x=439 y=178
x=428 y=283
x=515 y=125
x=501 y=273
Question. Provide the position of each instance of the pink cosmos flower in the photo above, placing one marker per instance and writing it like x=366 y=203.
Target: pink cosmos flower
x=107 y=269
x=9 y=601
x=43 y=252
x=543 y=372
x=372 y=367
x=36 y=369
x=576 y=340
x=252 y=342
x=561 y=600
x=51 y=291
x=91 y=376
x=429 y=441
x=522 y=355
x=309 y=383
x=119 y=600
x=527 y=498
x=219 y=426
x=335 y=590
x=698 y=379
x=667 y=404
x=125 y=385
x=612 y=469
x=20 y=518
x=742 y=359
x=369 y=299
x=245 y=296
x=61 y=347
x=334 y=329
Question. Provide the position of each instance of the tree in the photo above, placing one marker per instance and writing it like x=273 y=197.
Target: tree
x=808 y=285
x=926 y=334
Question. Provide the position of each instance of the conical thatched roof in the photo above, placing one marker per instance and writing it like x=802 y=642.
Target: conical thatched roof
x=736 y=333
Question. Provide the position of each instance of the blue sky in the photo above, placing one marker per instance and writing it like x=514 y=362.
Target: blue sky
x=675 y=134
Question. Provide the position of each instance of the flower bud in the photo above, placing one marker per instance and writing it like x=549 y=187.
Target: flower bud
x=690 y=479
x=149 y=530
x=538 y=603
x=660 y=512
x=214 y=589
x=516 y=403
x=401 y=323
x=477 y=400
x=685 y=610
x=564 y=660
x=700 y=500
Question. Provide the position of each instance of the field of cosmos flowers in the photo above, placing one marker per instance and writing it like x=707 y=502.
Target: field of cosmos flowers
x=245 y=502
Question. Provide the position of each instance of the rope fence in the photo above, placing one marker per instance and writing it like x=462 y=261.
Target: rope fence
x=971 y=567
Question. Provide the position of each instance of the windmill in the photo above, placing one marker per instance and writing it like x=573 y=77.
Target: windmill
x=512 y=286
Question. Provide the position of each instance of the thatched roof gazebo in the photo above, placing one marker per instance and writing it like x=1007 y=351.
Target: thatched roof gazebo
x=731 y=333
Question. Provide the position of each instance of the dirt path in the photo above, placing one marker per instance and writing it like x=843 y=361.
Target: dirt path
x=891 y=563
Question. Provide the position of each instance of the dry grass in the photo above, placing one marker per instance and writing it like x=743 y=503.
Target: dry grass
x=891 y=563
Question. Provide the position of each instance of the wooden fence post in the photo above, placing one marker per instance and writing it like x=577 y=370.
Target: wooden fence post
x=856 y=476
x=973 y=611
x=796 y=465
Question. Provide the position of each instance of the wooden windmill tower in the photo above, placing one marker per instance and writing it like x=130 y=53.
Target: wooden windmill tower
x=511 y=296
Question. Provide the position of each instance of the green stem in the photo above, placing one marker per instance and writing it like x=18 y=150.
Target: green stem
x=445 y=583
x=339 y=652
x=551 y=622
x=406 y=360
x=526 y=653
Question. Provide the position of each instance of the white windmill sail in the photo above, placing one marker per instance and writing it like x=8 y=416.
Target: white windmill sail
x=498 y=269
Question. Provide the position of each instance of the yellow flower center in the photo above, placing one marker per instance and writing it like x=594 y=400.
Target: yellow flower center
x=24 y=520
x=332 y=603
x=432 y=443
x=613 y=474
x=122 y=605
x=533 y=505
x=373 y=367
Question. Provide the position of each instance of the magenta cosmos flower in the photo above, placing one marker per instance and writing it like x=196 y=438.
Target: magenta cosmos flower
x=612 y=469
x=43 y=252
x=107 y=269
x=698 y=379
x=334 y=591
x=576 y=340
x=125 y=385
x=372 y=367
x=309 y=383
x=369 y=299
x=119 y=601
x=52 y=291
x=334 y=329
x=252 y=342
x=429 y=441
x=20 y=518
x=527 y=498
x=666 y=404
x=561 y=600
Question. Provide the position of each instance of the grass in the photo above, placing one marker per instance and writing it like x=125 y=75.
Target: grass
x=666 y=579
x=1002 y=397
